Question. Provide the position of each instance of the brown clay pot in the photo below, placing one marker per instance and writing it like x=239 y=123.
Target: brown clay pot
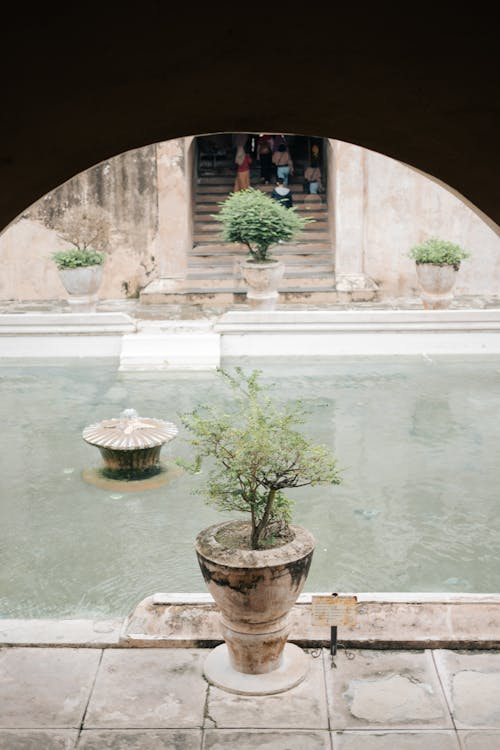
x=255 y=591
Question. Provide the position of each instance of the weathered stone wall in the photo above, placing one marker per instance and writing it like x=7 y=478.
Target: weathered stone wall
x=378 y=204
x=126 y=187
x=403 y=207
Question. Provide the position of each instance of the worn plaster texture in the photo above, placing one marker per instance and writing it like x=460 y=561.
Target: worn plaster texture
x=380 y=208
x=402 y=207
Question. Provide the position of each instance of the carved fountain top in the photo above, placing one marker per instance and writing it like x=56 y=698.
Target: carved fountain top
x=129 y=432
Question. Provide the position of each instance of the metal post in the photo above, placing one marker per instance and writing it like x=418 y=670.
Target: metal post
x=333 y=640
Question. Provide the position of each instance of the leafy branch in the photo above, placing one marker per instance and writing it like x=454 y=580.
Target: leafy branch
x=257 y=452
x=253 y=219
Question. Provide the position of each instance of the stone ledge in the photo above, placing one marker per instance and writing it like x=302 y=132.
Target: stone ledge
x=61 y=324
x=68 y=633
x=236 y=321
x=385 y=621
x=442 y=621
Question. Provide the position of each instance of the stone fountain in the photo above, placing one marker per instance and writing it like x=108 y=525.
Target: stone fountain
x=130 y=446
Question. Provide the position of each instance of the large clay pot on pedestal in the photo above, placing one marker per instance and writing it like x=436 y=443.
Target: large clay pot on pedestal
x=255 y=591
x=262 y=280
x=436 y=284
x=82 y=284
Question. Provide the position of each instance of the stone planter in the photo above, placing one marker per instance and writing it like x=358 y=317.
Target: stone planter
x=255 y=591
x=436 y=284
x=130 y=445
x=82 y=285
x=262 y=280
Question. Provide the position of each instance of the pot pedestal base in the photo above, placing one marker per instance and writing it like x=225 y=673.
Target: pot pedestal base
x=436 y=302
x=219 y=672
x=82 y=302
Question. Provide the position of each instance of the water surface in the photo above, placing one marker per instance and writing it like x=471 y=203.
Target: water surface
x=418 y=440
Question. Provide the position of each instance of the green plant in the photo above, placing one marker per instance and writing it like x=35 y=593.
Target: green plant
x=257 y=453
x=439 y=252
x=77 y=258
x=257 y=221
x=87 y=229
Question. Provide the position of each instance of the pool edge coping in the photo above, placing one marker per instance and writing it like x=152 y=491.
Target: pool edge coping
x=426 y=622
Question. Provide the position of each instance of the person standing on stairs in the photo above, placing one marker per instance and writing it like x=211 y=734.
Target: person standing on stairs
x=283 y=163
x=265 y=156
x=243 y=161
x=282 y=194
x=312 y=178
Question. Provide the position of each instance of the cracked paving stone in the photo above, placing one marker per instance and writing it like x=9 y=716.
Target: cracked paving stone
x=150 y=687
x=396 y=690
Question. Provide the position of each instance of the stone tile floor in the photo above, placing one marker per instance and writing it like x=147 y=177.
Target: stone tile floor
x=157 y=699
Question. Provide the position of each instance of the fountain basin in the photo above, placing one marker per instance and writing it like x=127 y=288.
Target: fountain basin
x=130 y=445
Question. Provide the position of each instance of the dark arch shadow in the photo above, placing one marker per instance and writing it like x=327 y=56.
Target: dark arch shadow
x=82 y=86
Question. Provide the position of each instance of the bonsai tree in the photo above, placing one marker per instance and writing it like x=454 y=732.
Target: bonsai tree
x=257 y=221
x=439 y=252
x=257 y=453
x=86 y=228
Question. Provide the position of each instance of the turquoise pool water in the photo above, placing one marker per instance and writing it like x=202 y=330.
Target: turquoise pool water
x=418 y=440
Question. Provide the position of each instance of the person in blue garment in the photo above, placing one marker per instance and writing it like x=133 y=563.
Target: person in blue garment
x=282 y=193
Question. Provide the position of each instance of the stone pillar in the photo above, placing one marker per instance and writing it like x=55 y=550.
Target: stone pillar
x=347 y=198
x=175 y=233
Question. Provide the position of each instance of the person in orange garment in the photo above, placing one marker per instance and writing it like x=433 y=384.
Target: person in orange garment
x=243 y=161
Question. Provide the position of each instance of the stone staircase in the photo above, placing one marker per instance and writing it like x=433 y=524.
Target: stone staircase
x=214 y=275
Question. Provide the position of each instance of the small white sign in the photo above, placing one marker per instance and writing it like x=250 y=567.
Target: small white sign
x=334 y=610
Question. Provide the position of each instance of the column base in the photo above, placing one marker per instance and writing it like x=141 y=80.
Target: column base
x=219 y=672
x=160 y=291
x=355 y=287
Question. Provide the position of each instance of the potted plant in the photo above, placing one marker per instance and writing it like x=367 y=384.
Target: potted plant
x=253 y=219
x=80 y=266
x=255 y=568
x=437 y=263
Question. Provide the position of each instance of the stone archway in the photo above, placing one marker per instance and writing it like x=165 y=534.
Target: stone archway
x=418 y=89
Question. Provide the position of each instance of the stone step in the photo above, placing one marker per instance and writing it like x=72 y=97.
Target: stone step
x=304 y=260
x=218 y=188
x=297 y=249
x=210 y=199
x=215 y=226
x=311 y=234
x=204 y=263
x=255 y=179
x=317 y=213
x=195 y=295
x=291 y=280
x=210 y=267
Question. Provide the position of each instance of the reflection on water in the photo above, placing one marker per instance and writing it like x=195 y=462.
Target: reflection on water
x=418 y=509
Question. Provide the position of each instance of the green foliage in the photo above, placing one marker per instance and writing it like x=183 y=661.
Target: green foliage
x=86 y=228
x=439 y=252
x=257 y=221
x=78 y=258
x=257 y=453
